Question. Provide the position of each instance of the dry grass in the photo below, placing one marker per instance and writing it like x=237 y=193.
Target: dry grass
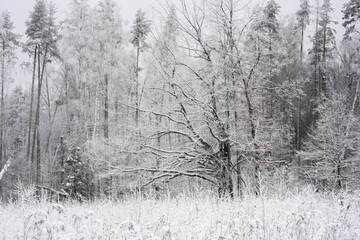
x=306 y=215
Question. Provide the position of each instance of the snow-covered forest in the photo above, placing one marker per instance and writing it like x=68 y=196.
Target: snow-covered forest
x=213 y=94
x=225 y=97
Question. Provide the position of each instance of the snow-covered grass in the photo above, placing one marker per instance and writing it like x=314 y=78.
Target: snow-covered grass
x=306 y=215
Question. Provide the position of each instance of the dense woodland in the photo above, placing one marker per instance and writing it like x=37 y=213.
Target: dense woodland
x=209 y=94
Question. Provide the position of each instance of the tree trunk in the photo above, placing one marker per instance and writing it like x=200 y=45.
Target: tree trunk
x=226 y=184
x=322 y=72
x=116 y=115
x=239 y=178
x=339 y=178
x=137 y=88
x=37 y=120
x=252 y=124
x=97 y=109
x=257 y=179
x=317 y=75
x=34 y=164
x=298 y=120
x=62 y=160
x=106 y=110
x=2 y=115
x=31 y=107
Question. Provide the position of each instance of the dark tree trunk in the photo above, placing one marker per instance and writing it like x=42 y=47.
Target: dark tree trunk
x=226 y=184
x=338 y=172
x=257 y=179
x=36 y=136
x=37 y=113
x=31 y=108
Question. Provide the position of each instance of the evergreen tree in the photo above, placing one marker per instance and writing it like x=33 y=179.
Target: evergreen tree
x=139 y=31
x=303 y=15
x=77 y=175
x=351 y=17
x=323 y=46
x=269 y=39
x=42 y=38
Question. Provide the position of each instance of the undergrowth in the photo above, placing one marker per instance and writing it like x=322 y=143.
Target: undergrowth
x=305 y=215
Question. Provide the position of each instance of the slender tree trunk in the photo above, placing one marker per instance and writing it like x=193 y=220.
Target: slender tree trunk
x=322 y=72
x=239 y=178
x=317 y=70
x=79 y=108
x=37 y=119
x=116 y=115
x=97 y=109
x=31 y=107
x=49 y=115
x=2 y=115
x=270 y=76
x=106 y=110
x=34 y=164
x=252 y=124
x=137 y=88
x=257 y=179
x=298 y=120
x=62 y=160
x=50 y=130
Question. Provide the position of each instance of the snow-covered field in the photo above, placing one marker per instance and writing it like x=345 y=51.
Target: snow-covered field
x=306 y=215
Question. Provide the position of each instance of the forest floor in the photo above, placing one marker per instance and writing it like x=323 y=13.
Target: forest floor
x=306 y=215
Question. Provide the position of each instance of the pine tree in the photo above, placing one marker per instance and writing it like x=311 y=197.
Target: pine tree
x=303 y=15
x=42 y=38
x=323 y=46
x=139 y=31
x=269 y=45
x=35 y=31
x=77 y=176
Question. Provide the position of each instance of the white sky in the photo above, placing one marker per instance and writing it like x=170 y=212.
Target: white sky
x=20 y=9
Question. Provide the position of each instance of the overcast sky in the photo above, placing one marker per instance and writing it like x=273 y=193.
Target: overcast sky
x=20 y=9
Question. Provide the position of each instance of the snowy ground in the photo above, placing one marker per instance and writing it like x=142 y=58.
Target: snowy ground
x=306 y=215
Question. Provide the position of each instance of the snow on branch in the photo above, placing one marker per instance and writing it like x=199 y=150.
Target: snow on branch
x=168 y=173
